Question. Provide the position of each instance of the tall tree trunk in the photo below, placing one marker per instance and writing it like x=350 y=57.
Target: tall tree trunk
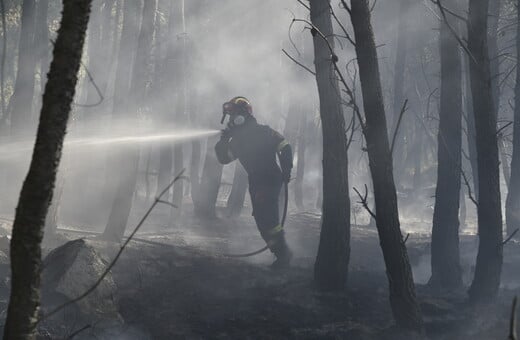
x=36 y=194
x=402 y=290
x=445 y=261
x=129 y=156
x=300 y=165
x=21 y=103
x=331 y=267
x=513 y=194
x=489 y=259
x=471 y=134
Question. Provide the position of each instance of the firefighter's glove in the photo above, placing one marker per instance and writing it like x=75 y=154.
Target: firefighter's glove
x=226 y=134
x=286 y=176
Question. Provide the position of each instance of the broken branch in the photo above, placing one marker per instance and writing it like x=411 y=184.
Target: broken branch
x=123 y=246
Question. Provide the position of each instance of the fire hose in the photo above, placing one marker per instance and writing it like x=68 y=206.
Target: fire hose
x=284 y=216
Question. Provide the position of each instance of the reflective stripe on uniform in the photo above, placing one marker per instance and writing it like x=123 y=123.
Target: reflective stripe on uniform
x=282 y=145
x=275 y=230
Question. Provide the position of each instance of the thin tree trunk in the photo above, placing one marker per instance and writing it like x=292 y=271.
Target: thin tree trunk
x=21 y=103
x=445 y=261
x=489 y=259
x=331 y=267
x=403 y=301
x=471 y=133
x=513 y=194
x=36 y=194
x=300 y=165
x=129 y=156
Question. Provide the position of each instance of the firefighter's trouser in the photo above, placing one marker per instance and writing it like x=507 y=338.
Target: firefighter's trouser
x=265 y=201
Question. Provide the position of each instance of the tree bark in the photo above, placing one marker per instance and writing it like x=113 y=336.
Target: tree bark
x=513 y=194
x=445 y=261
x=489 y=258
x=331 y=267
x=36 y=194
x=403 y=301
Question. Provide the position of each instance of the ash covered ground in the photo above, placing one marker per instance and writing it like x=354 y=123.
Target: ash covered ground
x=172 y=282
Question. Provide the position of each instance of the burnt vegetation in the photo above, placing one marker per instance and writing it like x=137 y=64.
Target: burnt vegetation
x=124 y=215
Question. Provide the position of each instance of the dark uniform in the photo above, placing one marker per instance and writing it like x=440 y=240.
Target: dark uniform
x=256 y=147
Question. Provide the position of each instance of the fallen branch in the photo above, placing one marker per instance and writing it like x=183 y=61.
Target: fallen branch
x=123 y=246
x=406 y=238
x=84 y=328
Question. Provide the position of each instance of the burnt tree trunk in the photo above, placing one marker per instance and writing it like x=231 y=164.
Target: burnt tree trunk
x=489 y=258
x=128 y=157
x=36 y=194
x=471 y=133
x=403 y=300
x=300 y=165
x=445 y=261
x=331 y=267
x=513 y=194
x=21 y=103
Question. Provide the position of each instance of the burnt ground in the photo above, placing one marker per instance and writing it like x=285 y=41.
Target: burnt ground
x=173 y=283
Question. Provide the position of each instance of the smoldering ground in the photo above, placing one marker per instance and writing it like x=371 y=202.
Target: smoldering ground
x=173 y=281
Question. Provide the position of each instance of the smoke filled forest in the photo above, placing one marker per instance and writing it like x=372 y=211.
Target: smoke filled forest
x=276 y=169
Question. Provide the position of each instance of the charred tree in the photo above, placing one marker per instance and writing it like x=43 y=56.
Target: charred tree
x=331 y=267
x=513 y=194
x=128 y=157
x=36 y=194
x=21 y=103
x=445 y=261
x=300 y=165
x=403 y=300
x=489 y=258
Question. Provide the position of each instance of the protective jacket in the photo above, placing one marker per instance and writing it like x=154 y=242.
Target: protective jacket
x=256 y=147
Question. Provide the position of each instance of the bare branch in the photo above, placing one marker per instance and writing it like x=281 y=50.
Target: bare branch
x=364 y=201
x=499 y=131
x=406 y=238
x=298 y=63
x=347 y=35
x=396 y=132
x=114 y=261
x=510 y=237
x=98 y=91
x=303 y=4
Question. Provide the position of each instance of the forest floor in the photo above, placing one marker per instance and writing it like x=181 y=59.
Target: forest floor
x=173 y=283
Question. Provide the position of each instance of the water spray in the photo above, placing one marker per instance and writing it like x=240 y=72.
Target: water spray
x=21 y=148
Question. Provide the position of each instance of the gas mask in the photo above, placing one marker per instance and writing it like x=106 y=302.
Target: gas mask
x=236 y=120
x=238 y=109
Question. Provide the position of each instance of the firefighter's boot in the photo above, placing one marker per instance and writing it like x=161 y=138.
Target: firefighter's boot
x=282 y=252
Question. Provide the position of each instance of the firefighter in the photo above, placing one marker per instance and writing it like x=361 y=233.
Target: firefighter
x=256 y=147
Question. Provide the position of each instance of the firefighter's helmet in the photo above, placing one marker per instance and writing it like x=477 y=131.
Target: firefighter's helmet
x=238 y=108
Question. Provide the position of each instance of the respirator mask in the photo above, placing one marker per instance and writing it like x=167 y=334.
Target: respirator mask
x=236 y=116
